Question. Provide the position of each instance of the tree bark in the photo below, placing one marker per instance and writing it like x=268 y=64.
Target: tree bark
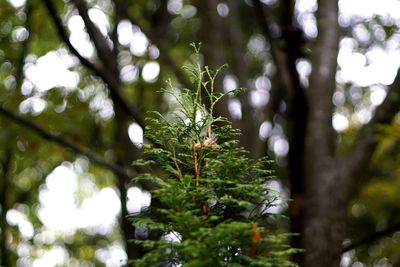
x=324 y=202
x=4 y=184
x=212 y=48
x=248 y=123
x=297 y=112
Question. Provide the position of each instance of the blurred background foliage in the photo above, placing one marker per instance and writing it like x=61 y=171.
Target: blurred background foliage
x=58 y=208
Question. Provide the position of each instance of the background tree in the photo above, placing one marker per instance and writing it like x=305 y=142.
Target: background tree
x=78 y=76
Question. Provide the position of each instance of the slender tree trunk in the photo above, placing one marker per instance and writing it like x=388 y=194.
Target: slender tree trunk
x=297 y=112
x=248 y=123
x=325 y=200
x=212 y=47
x=4 y=253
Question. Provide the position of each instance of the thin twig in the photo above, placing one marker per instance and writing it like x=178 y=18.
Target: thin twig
x=371 y=238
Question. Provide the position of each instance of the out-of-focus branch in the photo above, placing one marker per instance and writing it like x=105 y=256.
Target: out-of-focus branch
x=372 y=238
x=64 y=36
x=279 y=58
x=99 y=71
x=366 y=142
x=249 y=138
x=19 y=75
x=61 y=140
x=100 y=42
x=264 y=21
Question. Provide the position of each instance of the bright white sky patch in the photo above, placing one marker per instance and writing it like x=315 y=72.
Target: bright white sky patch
x=259 y=98
x=188 y=11
x=79 y=38
x=362 y=116
x=114 y=256
x=150 y=71
x=304 y=69
x=269 y=2
x=368 y=8
x=52 y=70
x=263 y=83
x=281 y=147
x=137 y=200
x=129 y=73
x=135 y=133
x=339 y=98
x=75 y=23
x=340 y=122
x=125 y=32
x=175 y=6
x=101 y=104
x=53 y=257
x=17 y=3
x=378 y=94
x=99 y=212
x=20 y=34
x=173 y=237
x=17 y=218
x=230 y=83
x=139 y=43
x=33 y=104
x=223 y=9
x=60 y=211
x=381 y=70
x=100 y=19
x=277 y=205
x=362 y=8
x=235 y=108
x=265 y=130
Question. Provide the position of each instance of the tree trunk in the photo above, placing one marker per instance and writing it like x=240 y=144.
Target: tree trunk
x=325 y=220
x=4 y=184
x=212 y=47
x=325 y=200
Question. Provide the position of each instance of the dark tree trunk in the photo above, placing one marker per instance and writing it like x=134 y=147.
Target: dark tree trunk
x=4 y=184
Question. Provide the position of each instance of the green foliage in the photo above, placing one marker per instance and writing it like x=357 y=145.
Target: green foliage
x=376 y=205
x=211 y=199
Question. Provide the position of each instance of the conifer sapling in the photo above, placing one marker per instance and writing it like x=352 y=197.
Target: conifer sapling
x=212 y=200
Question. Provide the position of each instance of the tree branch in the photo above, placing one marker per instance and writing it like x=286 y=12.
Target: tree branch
x=279 y=57
x=106 y=76
x=371 y=238
x=366 y=142
x=65 y=38
x=59 y=139
x=263 y=21
x=19 y=74
x=100 y=42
